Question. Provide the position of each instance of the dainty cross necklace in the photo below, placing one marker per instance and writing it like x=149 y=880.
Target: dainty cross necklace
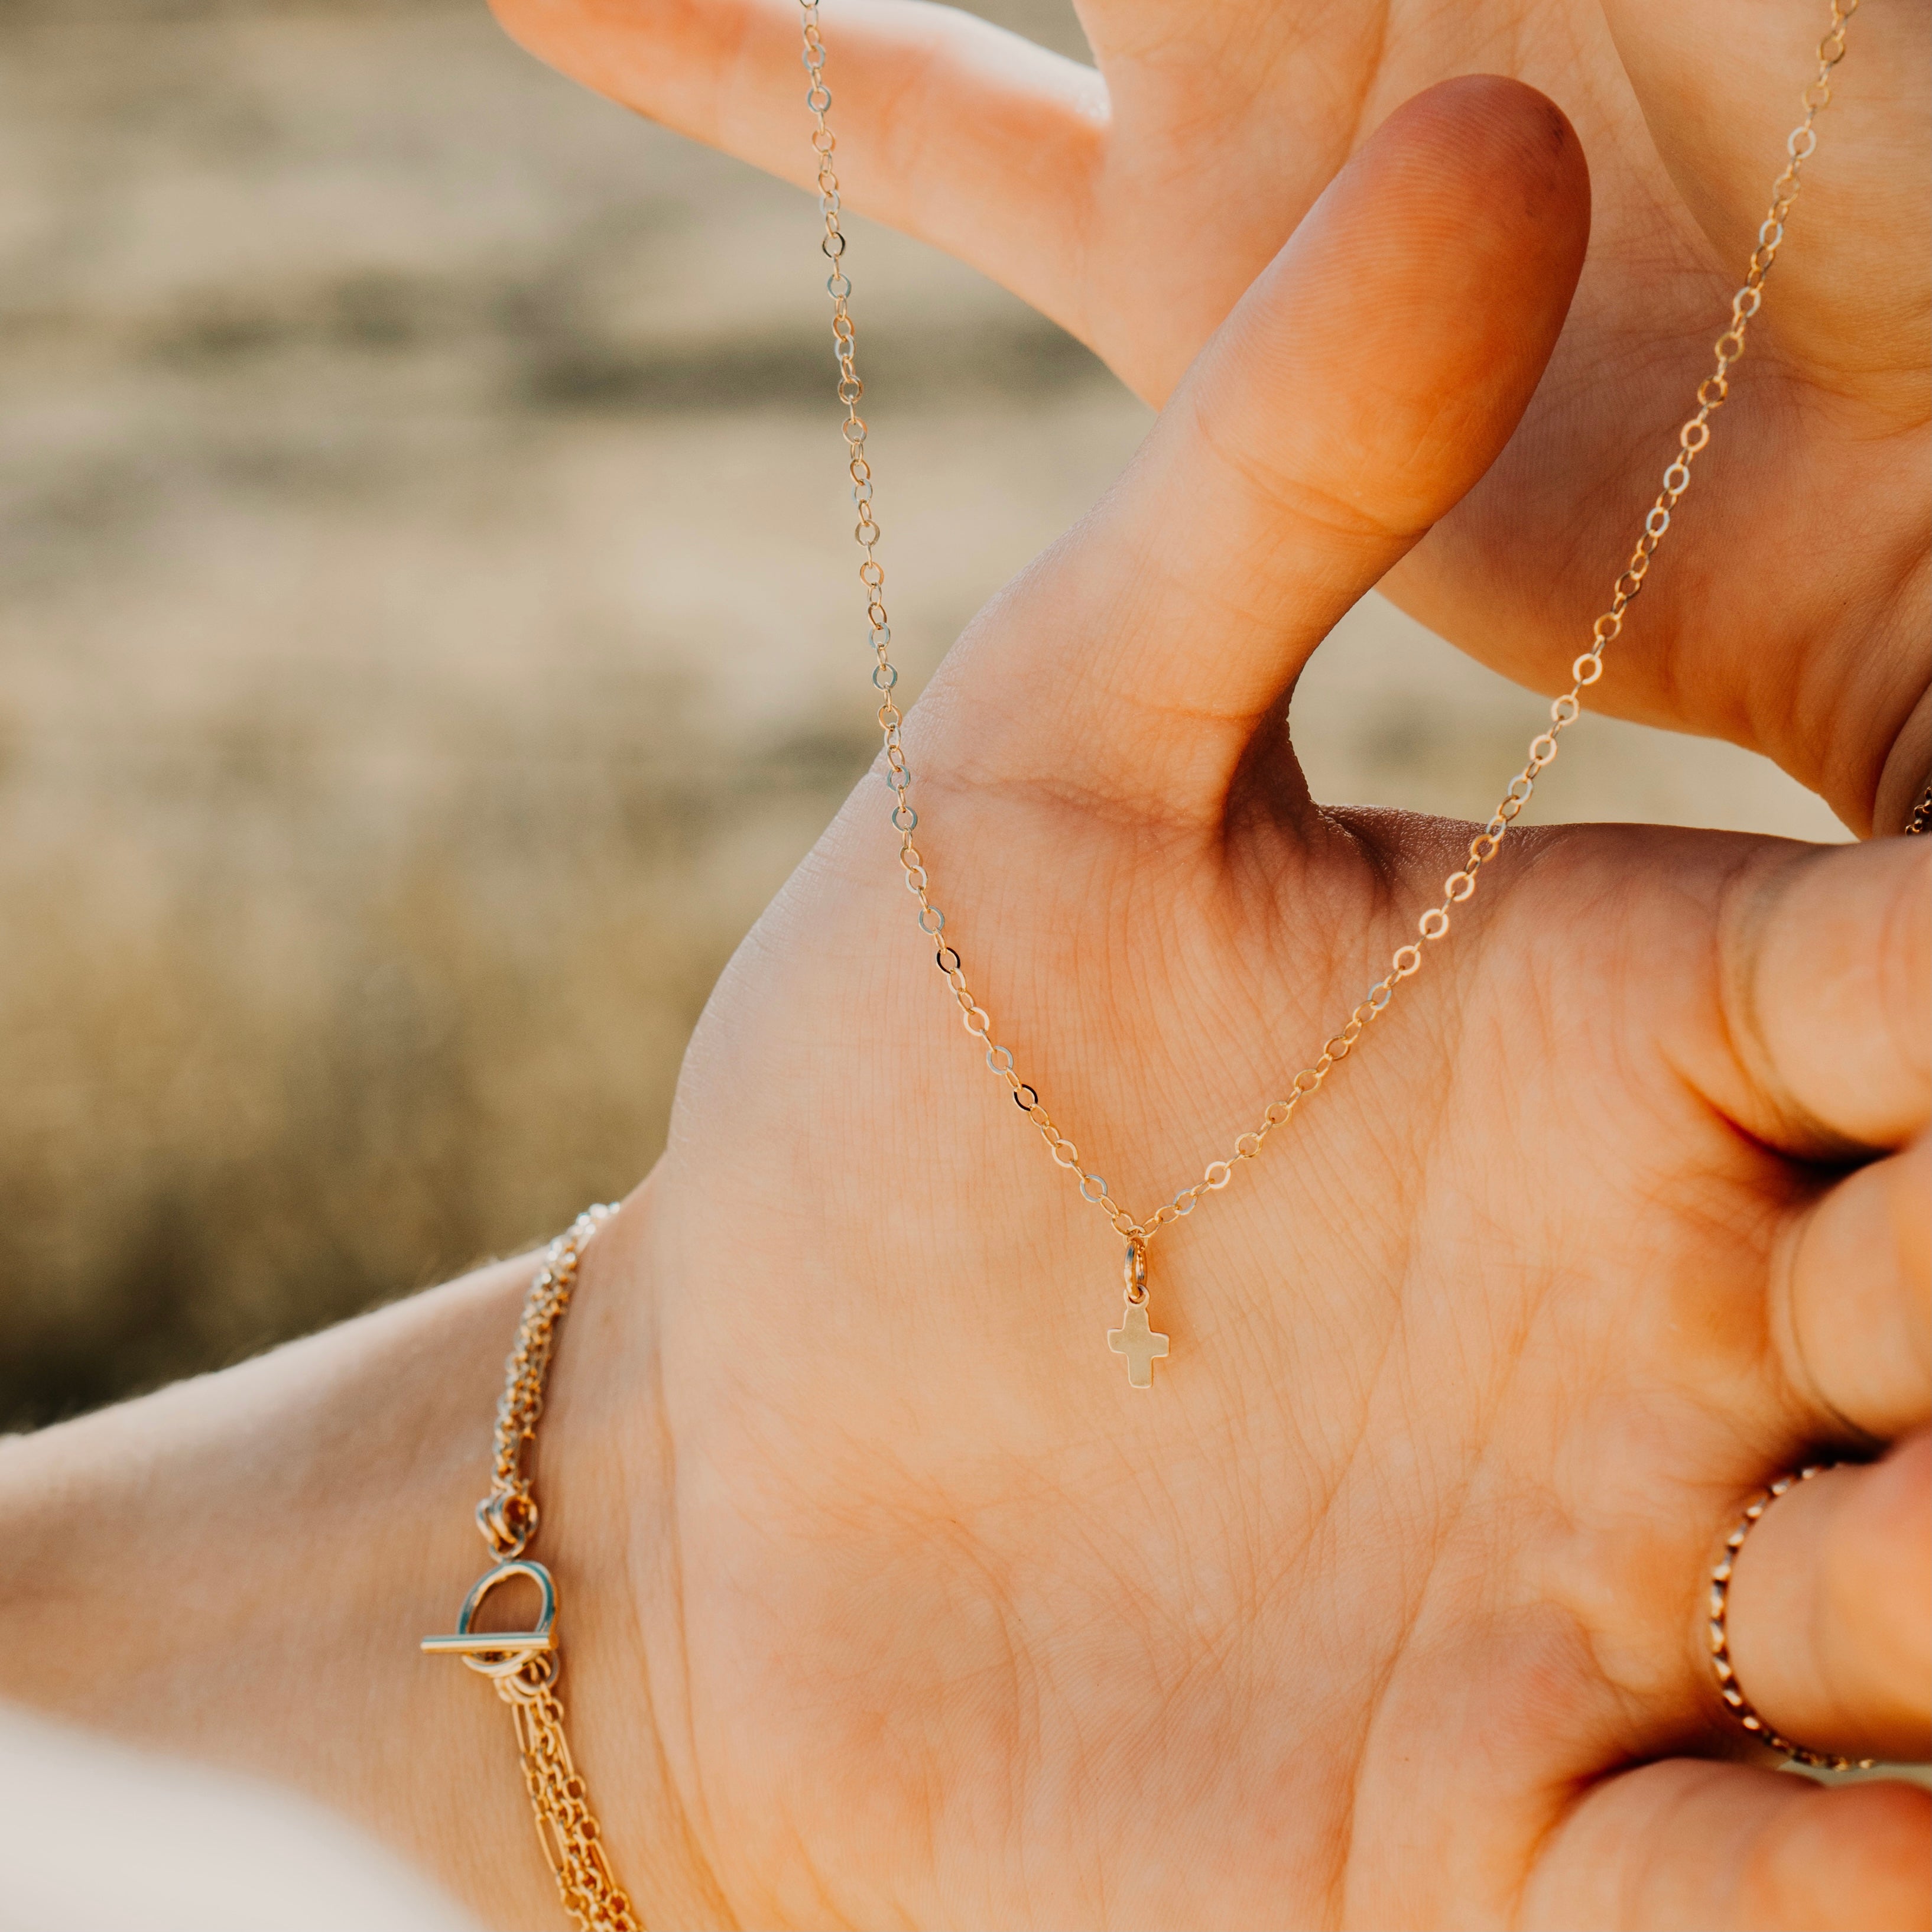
x=1134 y=1339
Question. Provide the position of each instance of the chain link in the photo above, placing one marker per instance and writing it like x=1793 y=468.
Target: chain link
x=1922 y=815
x=507 y=1515
x=567 y=1828
x=1433 y=924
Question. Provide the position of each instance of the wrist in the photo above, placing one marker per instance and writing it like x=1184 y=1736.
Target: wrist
x=238 y=1570
x=603 y=1469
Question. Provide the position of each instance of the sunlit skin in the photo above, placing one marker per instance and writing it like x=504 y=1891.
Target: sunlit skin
x=887 y=1600
x=1135 y=205
x=1355 y=1616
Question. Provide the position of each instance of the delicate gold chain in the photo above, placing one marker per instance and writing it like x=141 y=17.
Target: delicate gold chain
x=1433 y=924
x=1740 y=1706
x=1921 y=814
x=508 y=1515
x=523 y=1664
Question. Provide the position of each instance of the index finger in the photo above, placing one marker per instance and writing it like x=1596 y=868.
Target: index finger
x=949 y=128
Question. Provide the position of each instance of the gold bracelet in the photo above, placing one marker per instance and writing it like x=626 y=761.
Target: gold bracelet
x=1740 y=1706
x=523 y=1664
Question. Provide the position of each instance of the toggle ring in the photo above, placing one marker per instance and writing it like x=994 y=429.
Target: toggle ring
x=502 y=1654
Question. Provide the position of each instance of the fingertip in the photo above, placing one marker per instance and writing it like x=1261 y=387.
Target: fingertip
x=1899 y=1492
x=1685 y=1842
x=1853 y=1858
x=1365 y=383
x=1427 y=285
x=1823 y=954
x=1878 y=1577
x=1495 y=169
x=590 y=41
x=1505 y=142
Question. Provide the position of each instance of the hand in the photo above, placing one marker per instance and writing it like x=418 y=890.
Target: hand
x=886 y=1600
x=1135 y=205
x=1385 y=1607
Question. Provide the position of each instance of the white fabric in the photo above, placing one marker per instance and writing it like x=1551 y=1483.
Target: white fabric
x=96 y=1837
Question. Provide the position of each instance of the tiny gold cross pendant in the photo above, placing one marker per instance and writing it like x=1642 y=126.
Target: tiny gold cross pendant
x=1141 y=1346
x=1134 y=1339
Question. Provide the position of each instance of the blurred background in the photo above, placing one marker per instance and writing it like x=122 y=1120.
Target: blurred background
x=429 y=637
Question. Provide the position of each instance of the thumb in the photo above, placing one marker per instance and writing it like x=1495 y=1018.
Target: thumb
x=1366 y=381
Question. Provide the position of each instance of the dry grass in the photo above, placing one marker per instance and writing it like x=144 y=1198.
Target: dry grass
x=425 y=619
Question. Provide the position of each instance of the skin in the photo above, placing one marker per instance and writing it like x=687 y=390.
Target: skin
x=1134 y=203
x=886 y=1600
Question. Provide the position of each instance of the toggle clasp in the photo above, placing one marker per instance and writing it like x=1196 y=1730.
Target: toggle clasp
x=500 y=1653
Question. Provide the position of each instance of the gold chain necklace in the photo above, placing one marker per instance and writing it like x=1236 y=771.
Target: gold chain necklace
x=1133 y=1339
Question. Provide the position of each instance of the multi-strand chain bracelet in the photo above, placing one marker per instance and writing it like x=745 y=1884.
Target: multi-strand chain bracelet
x=523 y=1664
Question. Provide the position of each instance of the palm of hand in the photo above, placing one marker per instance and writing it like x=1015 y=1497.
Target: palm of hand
x=1134 y=206
x=1404 y=1551
x=1406 y=1546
